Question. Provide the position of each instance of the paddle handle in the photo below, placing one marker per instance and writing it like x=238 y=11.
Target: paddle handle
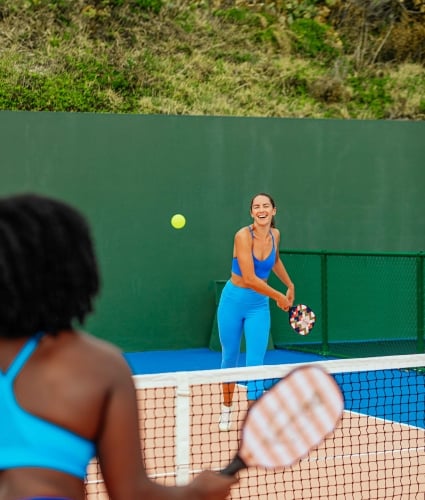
x=235 y=466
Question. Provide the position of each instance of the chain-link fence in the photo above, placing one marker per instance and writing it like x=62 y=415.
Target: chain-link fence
x=366 y=304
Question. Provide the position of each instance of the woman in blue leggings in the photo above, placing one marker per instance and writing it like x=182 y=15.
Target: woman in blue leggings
x=244 y=302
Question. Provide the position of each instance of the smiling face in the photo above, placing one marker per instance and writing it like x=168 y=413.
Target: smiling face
x=262 y=209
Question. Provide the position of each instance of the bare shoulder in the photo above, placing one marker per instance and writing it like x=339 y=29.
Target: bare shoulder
x=276 y=233
x=243 y=234
x=90 y=354
x=102 y=349
x=98 y=345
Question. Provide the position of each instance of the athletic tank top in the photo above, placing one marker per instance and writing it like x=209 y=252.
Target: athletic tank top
x=29 y=441
x=262 y=268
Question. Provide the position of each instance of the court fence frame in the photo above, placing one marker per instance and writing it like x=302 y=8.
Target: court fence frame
x=383 y=290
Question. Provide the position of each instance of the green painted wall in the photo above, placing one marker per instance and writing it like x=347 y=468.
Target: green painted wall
x=341 y=185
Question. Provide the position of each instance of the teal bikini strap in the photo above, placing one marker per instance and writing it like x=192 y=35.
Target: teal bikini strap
x=271 y=234
x=23 y=355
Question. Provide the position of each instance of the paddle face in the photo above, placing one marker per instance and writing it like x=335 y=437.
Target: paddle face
x=290 y=420
x=302 y=319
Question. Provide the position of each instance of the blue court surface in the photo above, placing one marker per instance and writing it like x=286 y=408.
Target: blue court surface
x=203 y=359
x=391 y=395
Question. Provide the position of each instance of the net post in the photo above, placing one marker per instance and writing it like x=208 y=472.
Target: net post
x=420 y=302
x=182 y=437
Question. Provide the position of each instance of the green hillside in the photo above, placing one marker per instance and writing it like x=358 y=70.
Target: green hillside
x=294 y=58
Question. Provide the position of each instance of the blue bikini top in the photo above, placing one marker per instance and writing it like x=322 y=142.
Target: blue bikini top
x=30 y=441
x=262 y=268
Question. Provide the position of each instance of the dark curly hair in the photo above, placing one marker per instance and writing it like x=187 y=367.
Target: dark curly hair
x=48 y=270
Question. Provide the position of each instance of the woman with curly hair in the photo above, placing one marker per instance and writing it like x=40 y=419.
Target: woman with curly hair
x=65 y=396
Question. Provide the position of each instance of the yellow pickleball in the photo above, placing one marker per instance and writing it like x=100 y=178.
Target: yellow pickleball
x=178 y=221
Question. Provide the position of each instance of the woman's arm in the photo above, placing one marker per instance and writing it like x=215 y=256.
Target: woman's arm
x=281 y=272
x=120 y=456
x=243 y=251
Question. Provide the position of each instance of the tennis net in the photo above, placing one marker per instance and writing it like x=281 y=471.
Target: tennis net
x=376 y=452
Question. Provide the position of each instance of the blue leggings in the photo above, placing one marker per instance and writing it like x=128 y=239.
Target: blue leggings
x=243 y=310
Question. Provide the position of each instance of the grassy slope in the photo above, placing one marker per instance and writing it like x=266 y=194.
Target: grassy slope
x=305 y=58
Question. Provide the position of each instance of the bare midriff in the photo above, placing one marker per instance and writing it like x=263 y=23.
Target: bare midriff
x=238 y=281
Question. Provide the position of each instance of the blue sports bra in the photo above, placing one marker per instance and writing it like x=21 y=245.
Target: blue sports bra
x=29 y=441
x=262 y=268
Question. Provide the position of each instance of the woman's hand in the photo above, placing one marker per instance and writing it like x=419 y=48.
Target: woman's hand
x=211 y=486
x=283 y=302
x=290 y=295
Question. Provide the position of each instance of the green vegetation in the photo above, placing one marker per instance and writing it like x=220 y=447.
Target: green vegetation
x=288 y=58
